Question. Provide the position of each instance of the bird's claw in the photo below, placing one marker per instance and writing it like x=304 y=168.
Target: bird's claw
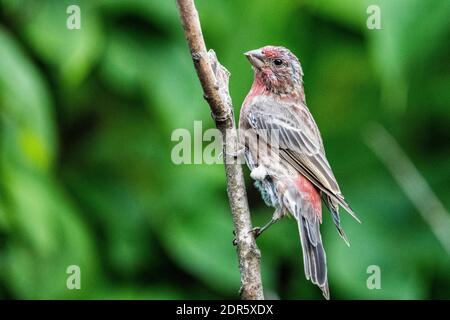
x=232 y=155
x=256 y=231
x=236 y=154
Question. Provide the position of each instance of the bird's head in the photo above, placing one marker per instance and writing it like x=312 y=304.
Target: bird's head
x=277 y=68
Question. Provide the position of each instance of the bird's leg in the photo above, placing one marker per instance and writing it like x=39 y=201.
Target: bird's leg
x=277 y=215
x=257 y=231
x=234 y=155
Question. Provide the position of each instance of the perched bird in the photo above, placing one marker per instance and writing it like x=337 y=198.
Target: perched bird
x=284 y=151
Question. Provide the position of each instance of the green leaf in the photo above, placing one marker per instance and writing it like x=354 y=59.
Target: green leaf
x=27 y=119
x=72 y=52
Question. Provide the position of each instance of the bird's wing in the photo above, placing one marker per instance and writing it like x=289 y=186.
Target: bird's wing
x=299 y=143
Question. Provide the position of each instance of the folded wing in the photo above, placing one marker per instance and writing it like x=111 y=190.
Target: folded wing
x=299 y=143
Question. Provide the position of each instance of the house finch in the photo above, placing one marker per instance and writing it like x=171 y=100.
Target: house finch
x=292 y=174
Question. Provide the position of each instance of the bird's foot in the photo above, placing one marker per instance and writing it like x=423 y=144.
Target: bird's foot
x=233 y=155
x=256 y=231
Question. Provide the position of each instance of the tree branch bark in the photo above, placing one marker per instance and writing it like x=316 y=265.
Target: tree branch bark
x=214 y=80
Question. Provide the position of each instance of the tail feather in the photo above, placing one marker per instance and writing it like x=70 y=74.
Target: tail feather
x=334 y=209
x=309 y=219
x=314 y=258
x=347 y=207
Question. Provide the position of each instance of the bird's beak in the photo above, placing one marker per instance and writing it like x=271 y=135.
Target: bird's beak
x=256 y=58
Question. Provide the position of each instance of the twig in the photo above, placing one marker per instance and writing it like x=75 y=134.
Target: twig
x=411 y=181
x=214 y=80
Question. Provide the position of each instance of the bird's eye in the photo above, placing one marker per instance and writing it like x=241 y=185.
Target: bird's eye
x=278 y=62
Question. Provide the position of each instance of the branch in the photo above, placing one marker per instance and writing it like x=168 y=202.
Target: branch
x=214 y=80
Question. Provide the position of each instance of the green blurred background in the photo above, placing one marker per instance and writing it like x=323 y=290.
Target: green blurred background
x=86 y=118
